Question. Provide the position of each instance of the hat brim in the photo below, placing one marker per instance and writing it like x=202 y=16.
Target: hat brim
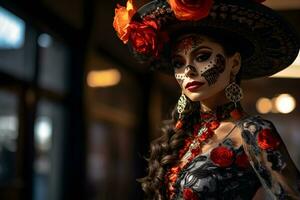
x=268 y=43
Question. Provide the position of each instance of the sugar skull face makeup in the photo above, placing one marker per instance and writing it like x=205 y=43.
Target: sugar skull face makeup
x=201 y=67
x=214 y=69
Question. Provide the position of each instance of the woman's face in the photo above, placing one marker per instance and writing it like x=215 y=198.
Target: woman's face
x=201 y=67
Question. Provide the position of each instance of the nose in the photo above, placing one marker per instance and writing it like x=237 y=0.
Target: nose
x=190 y=70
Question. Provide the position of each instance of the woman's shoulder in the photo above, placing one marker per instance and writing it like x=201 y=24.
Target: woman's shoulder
x=255 y=123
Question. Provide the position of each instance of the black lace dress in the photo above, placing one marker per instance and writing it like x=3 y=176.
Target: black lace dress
x=262 y=160
x=210 y=181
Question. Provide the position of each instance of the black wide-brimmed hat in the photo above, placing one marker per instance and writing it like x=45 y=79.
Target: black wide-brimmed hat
x=266 y=41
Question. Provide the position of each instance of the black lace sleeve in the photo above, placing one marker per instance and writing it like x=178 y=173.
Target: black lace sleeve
x=270 y=159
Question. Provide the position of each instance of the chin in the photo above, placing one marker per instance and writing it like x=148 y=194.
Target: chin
x=198 y=96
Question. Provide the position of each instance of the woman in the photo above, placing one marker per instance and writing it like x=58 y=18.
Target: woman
x=211 y=148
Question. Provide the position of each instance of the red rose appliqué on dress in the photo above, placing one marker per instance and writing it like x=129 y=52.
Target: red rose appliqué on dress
x=266 y=140
x=222 y=156
x=242 y=160
x=189 y=194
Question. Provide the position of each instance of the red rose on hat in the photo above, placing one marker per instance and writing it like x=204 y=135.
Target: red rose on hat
x=122 y=19
x=222 y=156
x=144 y=37
x=266 y=140
x=191 y=9
x=189 y=194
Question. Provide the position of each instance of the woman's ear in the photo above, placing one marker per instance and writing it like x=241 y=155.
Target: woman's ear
x=235 y=63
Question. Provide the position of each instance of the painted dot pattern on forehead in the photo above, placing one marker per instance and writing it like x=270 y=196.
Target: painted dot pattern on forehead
x=188 y=43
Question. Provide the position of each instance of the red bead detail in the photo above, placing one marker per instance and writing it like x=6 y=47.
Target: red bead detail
x=195 y=152
x=214 y=124
x=266 y=140
x=196 y=129
x=236 y=114
x=222 y=156
x=185 y=148
x=179 y=124
x=206 y=135
x=173 y=177
x=175 y=169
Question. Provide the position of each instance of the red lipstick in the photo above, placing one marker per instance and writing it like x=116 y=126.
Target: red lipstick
x=194 y=85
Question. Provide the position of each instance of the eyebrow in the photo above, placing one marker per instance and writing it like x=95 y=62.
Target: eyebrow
x=195 y=49
x=200 y=47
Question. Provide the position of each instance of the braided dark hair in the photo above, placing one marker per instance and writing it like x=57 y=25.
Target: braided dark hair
x=164 y=150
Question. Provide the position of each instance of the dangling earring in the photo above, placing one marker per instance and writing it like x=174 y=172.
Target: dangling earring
x=181 y=105
x=234 y=93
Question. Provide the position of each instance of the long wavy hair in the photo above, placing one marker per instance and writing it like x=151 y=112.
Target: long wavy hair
x=165 y=149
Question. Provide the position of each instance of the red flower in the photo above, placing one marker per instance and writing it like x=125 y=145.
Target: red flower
x=196 y=129
x=266 y=140
x=187 y=143
x=236 y=114
x=242 y=160
x=206 y=135
x=194 y=152
x=222 y=156
x=122 y=19
x=191 y=9
x=144 y=37
x=175 y=170
x=189 y=194
x=179 y=124
x=214 y=124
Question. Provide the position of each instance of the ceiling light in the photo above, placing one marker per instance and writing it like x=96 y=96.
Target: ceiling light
x=103 y=78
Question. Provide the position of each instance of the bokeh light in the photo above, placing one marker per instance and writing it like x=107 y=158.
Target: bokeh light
x=264 y=105
x=285 y=103
x=103 y=78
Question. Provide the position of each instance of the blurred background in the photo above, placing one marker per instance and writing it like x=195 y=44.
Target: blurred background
x=77 y=113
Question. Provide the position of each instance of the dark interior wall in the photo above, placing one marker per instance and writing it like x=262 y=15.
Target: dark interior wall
x=73 y=28
x=43 y=19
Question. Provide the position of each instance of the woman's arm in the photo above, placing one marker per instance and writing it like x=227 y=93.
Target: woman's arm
x=270 y=159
